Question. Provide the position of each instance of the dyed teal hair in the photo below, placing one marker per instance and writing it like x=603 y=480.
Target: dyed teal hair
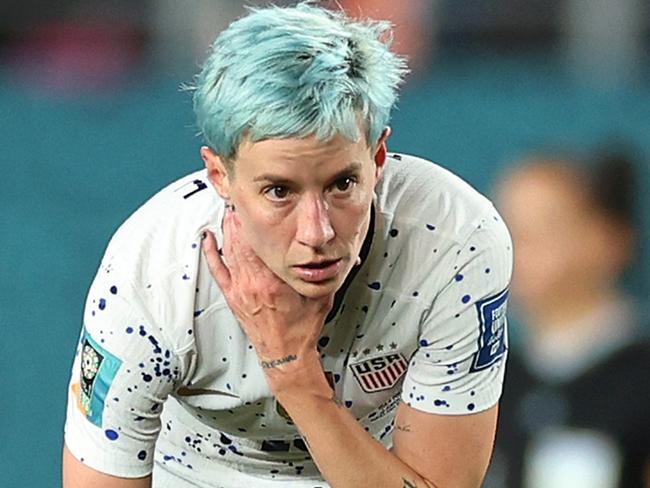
x=295 y=72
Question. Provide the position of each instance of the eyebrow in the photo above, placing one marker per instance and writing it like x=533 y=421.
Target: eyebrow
x=353 y=167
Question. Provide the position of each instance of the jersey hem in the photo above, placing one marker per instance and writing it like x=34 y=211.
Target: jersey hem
x=130 y=471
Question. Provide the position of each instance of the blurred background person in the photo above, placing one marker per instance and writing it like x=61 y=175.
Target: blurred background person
x=577 y=395
x=415 y=26
x=183 y=28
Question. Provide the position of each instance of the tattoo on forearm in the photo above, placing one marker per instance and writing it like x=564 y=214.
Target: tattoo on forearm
x=404 y=428
x=408 y=484
x=274 y=363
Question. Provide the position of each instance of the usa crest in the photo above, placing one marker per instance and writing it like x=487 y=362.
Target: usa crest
x=379 y=373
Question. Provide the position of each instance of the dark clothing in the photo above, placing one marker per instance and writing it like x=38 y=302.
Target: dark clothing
x=611 y=399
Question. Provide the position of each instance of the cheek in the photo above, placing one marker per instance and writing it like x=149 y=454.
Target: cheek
x=349 y=219
x=257 y=211
x=254 y=219
x=261 y=227
x=254 y=229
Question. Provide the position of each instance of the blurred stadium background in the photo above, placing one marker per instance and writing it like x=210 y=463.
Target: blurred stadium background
x=92 y=122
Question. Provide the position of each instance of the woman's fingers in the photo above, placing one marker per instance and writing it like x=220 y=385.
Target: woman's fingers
x=236 y=248
x=216 y=265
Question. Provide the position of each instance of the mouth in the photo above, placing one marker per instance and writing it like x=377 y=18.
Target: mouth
x=319 y=270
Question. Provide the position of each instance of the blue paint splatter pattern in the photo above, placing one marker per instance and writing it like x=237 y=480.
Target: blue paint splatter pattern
x=432 y=260
x=440 y=378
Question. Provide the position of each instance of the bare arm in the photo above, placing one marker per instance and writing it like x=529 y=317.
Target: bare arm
x=449 y=450
x=78 y=475
x=430 y=451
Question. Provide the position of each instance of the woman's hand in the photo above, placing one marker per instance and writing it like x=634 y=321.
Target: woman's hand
x=282 y=325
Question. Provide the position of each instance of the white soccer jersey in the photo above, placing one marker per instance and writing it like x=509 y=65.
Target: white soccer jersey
x=423 y=321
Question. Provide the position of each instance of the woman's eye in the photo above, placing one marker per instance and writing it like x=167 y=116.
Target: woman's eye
x=344 y=184
x=277 y=192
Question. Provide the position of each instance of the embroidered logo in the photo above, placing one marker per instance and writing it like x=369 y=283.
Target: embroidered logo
x=98 y=369
x=493 y=335
x=380 y=373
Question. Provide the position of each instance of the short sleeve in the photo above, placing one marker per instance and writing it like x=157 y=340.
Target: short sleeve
x=122 y=373
x=459 y=365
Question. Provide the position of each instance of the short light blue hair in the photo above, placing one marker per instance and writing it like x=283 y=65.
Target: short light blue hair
x=296 y=72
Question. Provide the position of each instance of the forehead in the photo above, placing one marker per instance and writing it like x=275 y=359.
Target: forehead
x=303 y=155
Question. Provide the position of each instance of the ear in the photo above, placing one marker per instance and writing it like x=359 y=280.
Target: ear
x=381 y=152
x=217 y=172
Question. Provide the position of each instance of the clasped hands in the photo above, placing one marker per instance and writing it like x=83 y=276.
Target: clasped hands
x=282 y=325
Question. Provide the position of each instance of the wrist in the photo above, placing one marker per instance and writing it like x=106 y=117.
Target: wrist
x=296 y=375
x=301 y=403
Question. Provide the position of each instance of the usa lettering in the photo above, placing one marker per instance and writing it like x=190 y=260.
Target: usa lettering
x=376 y=364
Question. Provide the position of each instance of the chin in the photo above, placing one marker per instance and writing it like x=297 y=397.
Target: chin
x=316 y=290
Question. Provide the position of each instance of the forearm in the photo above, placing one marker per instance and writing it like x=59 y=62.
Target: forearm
x=344 y=452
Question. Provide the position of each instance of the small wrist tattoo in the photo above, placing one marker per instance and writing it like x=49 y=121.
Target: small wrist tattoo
x=404 y=428
x=274 y=363
x=408 y=484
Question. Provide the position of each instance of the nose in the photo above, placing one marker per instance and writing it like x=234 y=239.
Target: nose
x=314 y=228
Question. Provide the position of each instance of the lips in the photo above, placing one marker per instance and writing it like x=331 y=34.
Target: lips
x=320 y=270
x=321 y=263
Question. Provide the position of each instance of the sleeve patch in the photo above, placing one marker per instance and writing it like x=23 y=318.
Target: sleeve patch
x=98 y=369
x=493 y=335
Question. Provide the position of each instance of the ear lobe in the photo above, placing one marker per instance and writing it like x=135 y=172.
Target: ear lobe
x=381 y=152
x=380 y=159
x=217 y=172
